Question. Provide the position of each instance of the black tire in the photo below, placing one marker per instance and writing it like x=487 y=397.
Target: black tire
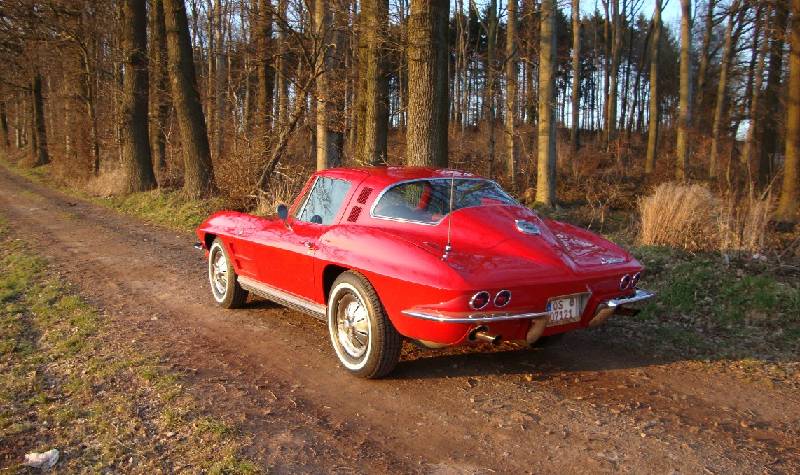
x=224 y=288
x=368 y=354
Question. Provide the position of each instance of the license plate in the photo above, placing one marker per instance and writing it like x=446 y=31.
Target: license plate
x=564 y=310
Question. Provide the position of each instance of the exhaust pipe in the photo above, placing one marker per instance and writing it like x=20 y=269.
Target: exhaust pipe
x=480 y=334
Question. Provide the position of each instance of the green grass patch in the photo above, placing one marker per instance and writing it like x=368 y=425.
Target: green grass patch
x=70 y=382
x=168 y=208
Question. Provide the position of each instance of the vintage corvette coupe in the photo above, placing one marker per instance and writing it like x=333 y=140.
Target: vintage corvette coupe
x=439 y=257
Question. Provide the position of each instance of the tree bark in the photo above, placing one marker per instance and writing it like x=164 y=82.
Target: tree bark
x=756 y=113
x=220 y=75
x=789 y=202
x=722 y=88
x=137 y=163
x=327 y=148
x=4 y=124
x=198 y=170
x=373 y=136
x=426 y=136
x=39 y=130
x=684 y=106
x=531 y=23
x=489 y=111
x=769 y=131
x=266 y=70
x=611 y=103
x=511 y=93
x=282 y=71
x=576 y=74
x=159 y=105
x=652 y=128
x=705 y=51
x=546 y=144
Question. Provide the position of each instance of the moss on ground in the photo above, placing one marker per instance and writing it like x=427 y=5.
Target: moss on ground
x=68 y=381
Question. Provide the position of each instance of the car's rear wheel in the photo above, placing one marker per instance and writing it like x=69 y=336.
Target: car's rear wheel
x=224 y=287
x=365 y=341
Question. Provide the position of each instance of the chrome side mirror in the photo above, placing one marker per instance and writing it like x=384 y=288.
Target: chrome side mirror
x=283 y=211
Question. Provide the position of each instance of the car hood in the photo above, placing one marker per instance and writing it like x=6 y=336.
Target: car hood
x=488 y=245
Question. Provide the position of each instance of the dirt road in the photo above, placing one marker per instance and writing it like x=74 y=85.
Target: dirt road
x=582 y=406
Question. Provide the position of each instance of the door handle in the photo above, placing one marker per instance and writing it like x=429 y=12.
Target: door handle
x=310 y=246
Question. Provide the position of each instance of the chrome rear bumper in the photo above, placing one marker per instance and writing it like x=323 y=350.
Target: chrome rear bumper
x=607 y=308
x=461 y=317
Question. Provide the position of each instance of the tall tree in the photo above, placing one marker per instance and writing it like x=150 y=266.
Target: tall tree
x=705 y=53
x=4 y=123
x=137 y=164
x=611 y=102
x=39 y=129
x=769 y=131
x=327 y=149
x=652 y=129
x=282 y=71
x=684 y=106
x=511 y=93
x=159 y=105
x=722 y=89
x=756 y=112
x=576 y=73
x=198 y=178
x=426 y=136
x=266 y=70
x=375 y=18
x=220 y=75
x=546 y=143
x=789 y=202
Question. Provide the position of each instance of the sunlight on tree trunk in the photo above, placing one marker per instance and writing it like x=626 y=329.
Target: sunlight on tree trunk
x=546 y=137
x=652 y=128
x=684 y=108
x=789 y=203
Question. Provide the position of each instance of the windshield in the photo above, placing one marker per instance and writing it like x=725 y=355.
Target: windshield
x=428 y=201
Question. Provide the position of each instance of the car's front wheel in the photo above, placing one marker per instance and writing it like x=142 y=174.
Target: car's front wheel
x=362 y=335
x=224 y=287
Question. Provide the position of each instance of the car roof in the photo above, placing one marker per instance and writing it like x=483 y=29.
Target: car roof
x=384 y=176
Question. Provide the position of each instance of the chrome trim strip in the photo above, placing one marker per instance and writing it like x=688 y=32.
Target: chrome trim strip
x=425 y=223
x=475 y=318
x=282 y=297
x=637 y=297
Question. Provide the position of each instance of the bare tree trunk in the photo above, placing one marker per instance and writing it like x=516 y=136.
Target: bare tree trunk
x=611 y=102
x=489 y=111
x=198 y=171
x=159 y=105
x=546 y=167
x=532 y=26
x=769 y=132
x=282 y=71
x=266 y=71
x=4 y=123
x=756 y=114
x=789 y=202
x=652 y=129
x=426 y=137
x=511 y=93
x=18 y=122
x=137 y=163
x=39 y=130
x=722 y=88
x=373 y=136
x=220 y=89
x=327 y=150
x=576 y=74
x=705 y=52
x=684 y=106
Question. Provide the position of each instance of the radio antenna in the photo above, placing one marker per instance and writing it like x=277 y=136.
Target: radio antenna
x=448 y=247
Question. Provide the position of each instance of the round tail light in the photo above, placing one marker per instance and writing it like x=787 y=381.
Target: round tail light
x=635 y=279
x=502 y=298
x=624 y=282
x=480 y=300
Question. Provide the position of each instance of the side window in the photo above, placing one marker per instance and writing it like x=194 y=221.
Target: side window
x=323 y=201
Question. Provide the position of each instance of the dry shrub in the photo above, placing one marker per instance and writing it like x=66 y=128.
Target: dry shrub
x=693 y=218
x=109 y=182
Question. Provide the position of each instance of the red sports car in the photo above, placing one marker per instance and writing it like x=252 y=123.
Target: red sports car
x=439 y=257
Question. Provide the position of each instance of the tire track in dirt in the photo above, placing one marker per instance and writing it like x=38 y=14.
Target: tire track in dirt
x=580 y=406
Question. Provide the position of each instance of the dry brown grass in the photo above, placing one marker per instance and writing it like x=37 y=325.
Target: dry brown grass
x=693 y=218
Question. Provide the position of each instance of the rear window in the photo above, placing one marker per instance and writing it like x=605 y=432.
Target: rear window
x=428 y=201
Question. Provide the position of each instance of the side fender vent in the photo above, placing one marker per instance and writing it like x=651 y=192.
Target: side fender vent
x=354 y=214
x=362 y=197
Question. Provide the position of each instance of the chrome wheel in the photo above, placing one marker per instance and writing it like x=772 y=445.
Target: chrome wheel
x=218 y=272
x=352 y=325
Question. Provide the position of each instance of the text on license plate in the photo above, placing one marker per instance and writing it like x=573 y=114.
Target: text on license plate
x=564 y=310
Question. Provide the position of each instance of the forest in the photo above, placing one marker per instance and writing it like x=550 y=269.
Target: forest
x=561 y=102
